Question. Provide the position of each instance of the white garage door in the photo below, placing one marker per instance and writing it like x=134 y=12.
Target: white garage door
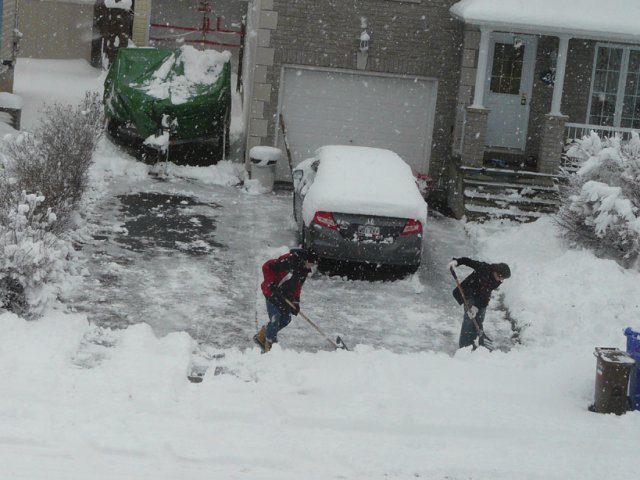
x=323 y=107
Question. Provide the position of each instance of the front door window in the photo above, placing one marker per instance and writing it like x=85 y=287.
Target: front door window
x=506 y=72
x=615 y=90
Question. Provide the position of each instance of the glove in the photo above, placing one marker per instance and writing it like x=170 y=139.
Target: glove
x=473 y=311
x=293 y=310
x=276 y=291
x=281 y=301
x=452 y=264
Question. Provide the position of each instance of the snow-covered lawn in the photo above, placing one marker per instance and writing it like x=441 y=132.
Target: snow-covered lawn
x=79 y=401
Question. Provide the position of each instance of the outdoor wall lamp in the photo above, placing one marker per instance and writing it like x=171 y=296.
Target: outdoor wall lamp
x=364 y=41
x=363 y=51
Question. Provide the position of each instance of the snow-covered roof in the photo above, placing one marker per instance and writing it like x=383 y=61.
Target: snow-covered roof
x=611 y=20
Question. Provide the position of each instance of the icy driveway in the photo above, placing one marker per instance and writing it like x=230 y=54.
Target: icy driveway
x=181 y=254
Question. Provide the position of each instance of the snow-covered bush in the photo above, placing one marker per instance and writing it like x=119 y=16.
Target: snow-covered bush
x=33 y=260
x=43 y=177
x=54 y=160
x=601 y=202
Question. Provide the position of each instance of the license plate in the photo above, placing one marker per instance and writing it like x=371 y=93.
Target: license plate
x=368 y=231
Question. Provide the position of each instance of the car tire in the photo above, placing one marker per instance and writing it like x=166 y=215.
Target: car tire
x=411 y=269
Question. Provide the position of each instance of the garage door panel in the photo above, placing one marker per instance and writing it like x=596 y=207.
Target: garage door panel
x=327 y=107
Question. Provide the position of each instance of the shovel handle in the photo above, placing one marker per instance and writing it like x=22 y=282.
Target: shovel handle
x=464 y=300
x=335 y=345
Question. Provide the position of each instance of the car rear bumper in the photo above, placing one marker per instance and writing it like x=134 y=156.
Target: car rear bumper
x=329 y=243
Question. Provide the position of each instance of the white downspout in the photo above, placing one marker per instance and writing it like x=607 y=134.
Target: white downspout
x=481 y=72
x=558 y=84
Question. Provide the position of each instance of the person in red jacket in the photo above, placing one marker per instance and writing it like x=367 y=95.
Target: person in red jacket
x=282 y=285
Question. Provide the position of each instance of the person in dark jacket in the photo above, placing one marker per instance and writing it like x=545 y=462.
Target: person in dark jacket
x=477 y=288
x=283 y=280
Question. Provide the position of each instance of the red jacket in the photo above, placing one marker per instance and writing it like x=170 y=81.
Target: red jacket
x=287 y=272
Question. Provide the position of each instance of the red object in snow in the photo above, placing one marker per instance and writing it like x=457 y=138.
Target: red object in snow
x=424 y=182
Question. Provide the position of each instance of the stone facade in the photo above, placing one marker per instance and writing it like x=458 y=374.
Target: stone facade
x=407 y=37
x=475 y=130
x=141 y=20
x=551 y=144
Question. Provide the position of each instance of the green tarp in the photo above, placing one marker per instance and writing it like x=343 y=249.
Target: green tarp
x=191 y=86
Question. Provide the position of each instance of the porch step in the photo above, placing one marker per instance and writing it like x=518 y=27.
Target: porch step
x=476 y=212
x=513 y=197
x=542 y=188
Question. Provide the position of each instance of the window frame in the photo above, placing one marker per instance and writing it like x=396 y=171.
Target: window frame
x=622 y=79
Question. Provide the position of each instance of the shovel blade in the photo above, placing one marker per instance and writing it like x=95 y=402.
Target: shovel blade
x=487 y=343
x=340 y=343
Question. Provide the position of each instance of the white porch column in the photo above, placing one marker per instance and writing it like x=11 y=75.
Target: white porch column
x=481 y=71
x=561 y=67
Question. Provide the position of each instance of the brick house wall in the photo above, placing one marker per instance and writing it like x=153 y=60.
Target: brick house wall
x=407 y=37
x=541 y=95
x=577 y=83
x=7 y=40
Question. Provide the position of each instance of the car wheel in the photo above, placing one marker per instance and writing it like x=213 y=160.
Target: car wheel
x=411 y=269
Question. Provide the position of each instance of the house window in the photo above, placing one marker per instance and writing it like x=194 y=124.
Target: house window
x=615 y=89
x=506 y=72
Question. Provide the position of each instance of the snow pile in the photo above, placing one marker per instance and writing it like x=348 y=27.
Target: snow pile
x=199 y=67
x=225 y=173
x=64 y=81
x=561 y=298
x=364 y=180
x=367 y=414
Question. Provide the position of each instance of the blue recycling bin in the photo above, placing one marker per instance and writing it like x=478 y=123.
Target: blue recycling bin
x=633 y=349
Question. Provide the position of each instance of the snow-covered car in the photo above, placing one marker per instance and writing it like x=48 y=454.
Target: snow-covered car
x=359 y=204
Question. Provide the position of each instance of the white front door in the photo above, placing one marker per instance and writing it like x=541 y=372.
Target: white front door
x=508 y=89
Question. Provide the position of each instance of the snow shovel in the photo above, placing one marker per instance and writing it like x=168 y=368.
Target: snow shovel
x=338 y=344
x=483 y=340
x=286 y=143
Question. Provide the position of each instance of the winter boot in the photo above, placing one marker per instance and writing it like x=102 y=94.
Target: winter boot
x=261 y=339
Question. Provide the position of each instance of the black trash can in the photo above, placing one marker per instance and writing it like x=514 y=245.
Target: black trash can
x=612 y=380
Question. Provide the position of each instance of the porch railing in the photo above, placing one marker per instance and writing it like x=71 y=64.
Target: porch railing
x=575 y=131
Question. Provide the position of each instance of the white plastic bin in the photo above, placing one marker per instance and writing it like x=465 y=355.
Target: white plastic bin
x=263 y=165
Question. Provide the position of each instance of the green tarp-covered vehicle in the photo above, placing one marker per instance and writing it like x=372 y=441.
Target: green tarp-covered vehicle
x=189 y=88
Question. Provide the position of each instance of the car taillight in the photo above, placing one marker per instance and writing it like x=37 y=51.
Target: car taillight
x=411 y=227
x=325 y=219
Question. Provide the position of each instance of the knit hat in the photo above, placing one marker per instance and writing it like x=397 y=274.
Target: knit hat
x=501 y=269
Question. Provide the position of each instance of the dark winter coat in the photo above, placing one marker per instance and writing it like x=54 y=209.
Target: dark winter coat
x=287 y=273
x=477 y=286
